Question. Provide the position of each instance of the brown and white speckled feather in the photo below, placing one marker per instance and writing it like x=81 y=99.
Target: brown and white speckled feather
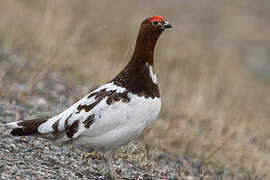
x=76 y=119
x=107 y=100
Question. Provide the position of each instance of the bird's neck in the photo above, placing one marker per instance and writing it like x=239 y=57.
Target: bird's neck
x=144 y=49
x=136 y=76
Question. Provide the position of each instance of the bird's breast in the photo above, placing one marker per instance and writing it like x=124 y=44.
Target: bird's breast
x=118 y=123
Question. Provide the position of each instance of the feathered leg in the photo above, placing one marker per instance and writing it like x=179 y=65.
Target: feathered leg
x=109 y=171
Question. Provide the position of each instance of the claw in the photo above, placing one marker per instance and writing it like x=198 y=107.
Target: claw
x=93 y=155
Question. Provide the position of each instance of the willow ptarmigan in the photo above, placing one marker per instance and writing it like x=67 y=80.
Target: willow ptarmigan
x=116 y=112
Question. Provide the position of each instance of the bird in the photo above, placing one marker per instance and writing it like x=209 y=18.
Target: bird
x=113 y=114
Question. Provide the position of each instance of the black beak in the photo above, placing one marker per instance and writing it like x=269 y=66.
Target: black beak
x=166 y=25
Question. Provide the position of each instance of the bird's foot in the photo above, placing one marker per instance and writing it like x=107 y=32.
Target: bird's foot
x=93 y=155
x=114 y=175
x=144 y=146
x=146 y=156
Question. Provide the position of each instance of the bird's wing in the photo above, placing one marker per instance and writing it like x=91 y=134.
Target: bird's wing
x=76 y=119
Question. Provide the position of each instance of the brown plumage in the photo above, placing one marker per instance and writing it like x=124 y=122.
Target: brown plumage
x=135 y=76
x=29 y=127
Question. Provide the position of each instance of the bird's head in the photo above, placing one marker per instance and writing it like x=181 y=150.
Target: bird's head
x=154 y=25
x=149 y=32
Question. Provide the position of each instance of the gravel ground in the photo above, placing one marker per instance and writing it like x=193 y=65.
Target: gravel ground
x=36 y=158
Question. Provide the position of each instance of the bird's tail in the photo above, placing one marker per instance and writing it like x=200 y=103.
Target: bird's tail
x=25 y=127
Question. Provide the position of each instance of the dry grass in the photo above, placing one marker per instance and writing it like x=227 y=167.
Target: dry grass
x=216 y=100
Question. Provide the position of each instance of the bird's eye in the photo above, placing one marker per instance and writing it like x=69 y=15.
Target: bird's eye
x=155 y=23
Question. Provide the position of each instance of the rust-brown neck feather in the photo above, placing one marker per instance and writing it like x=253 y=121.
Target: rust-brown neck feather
x=135 y=77
x=145 y=45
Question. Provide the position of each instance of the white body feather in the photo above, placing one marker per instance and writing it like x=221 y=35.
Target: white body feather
x=113 y=125
x=119 y=123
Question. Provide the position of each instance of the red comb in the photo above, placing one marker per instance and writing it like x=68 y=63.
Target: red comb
x=156 y=18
